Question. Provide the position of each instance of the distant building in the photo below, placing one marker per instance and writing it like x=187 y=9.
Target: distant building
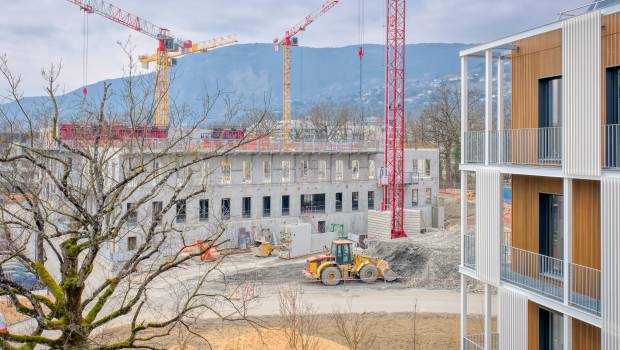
x=551 y=252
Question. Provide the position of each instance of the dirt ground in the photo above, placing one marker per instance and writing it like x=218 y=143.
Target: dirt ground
x=395 y=331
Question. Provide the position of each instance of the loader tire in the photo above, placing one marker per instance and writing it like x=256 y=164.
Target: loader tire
x=331 y=276
x=368 y=273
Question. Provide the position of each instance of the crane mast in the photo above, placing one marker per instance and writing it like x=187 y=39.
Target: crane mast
x=393 y=197
x=169 y=48
x=286 y=42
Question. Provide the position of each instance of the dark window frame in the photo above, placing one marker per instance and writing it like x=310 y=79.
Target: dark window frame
x=157 y=208
x=266 y=206
x=286 y=209
x=225 y=209
x=338 y=205
x=246 y=207
x=203 y=210
x=181 y=211
x=355 y=201
x=371 y=200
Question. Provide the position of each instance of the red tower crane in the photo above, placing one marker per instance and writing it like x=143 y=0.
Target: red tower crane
x=394 y=190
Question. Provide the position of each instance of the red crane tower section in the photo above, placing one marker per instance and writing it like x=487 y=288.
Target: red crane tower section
x=394 y=191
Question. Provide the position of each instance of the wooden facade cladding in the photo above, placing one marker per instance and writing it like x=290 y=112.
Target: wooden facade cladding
x=610 y=51
x=532 y=326
x=536 y=57
x=587 y=223
x=525 y=209
x=585 y=336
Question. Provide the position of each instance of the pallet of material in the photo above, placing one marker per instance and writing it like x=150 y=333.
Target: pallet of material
x=380 y=222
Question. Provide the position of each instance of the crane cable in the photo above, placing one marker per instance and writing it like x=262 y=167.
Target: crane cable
x=361 y=14
x=85 y=53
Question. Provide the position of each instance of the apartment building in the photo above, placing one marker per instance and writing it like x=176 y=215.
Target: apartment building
x=547 y=255
x=265 y=186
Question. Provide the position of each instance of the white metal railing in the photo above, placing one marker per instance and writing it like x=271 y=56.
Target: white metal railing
x=474 y=146
x=469 y=249
x=476 y=342
x=533 y=271
x=537 y=146
x=585 y=290
x=611 y=134
x=531 y=146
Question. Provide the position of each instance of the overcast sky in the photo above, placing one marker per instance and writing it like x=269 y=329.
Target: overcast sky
x=36 y=33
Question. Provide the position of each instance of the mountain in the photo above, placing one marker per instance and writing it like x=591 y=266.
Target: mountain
x=253 y=74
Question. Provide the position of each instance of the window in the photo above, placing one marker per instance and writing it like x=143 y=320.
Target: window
x=132 y=243
x=355 y=169
x=321 y=227
x=612 y=119
x=355 y=201
x=551 y=235
x=247 y=172
x=549 y=116
x=371 y=200
x=421 y=168
x=225 y=208
x=550 y=330
x=550 y=102
x=286 y=171
x=339 y=201
x=427 y=167
x=226 y=174
x=266 y=206
x=132 y=214
x=286 y=205
x=322 y=170
x=414 y=197
x=372 y=171
x=339 y=170
x=246 y=210
x=305 y=168
x=156 y=211
x=203 y=210
x=181 y=214
x=428 y=196
x=342 y=252
x=313 y=203
x=267 y=171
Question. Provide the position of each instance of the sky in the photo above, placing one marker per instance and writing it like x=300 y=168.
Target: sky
x=38 y=33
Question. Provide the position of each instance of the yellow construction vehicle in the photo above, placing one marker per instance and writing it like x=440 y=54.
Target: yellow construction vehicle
x=343 y=264
x=263 y=249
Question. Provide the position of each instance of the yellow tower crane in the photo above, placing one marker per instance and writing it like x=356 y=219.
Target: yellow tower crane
x=289 y=39
x=166 y=59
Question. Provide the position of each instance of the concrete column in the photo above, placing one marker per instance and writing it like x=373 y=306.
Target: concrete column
x=463 y=310
x=500 y=107
x=464 y=227
x=488 y=318
x=464 y=106
x=568 y=236
x=488 y=101
x=567 y=332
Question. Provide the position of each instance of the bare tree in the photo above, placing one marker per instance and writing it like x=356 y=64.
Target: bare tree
x=334 y=122
x=439 y=124
x=82 y=189
x=300 y=321
x=355 y=329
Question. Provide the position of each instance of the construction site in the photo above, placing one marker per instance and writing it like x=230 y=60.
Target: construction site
x=289 y=239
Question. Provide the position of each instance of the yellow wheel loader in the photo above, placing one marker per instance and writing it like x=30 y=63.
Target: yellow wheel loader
x=343 y=264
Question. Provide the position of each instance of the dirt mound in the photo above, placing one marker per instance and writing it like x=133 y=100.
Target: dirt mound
x=428 y=260
x=273 y=340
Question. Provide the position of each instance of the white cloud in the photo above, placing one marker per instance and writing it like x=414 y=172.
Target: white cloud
x=36 y=33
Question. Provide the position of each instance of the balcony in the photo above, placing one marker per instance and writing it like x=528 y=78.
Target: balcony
x=476 y=342
x=545 y=275
x=611 y=137
x=536 y=272
x=533 y=147
x=585 y=291
x=469 y=249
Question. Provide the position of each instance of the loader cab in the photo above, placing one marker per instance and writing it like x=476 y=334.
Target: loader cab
x=342 y=250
